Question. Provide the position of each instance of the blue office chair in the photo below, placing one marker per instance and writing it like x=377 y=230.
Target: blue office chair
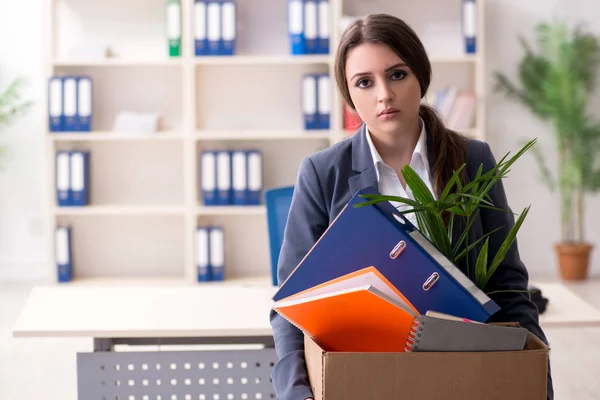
x=277 y=201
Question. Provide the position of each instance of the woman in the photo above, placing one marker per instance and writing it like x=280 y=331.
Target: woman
x=383 y=72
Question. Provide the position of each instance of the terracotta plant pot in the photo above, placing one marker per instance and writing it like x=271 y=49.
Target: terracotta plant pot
x=573 y=260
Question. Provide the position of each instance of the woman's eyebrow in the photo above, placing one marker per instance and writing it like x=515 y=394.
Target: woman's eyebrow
x=388 y=69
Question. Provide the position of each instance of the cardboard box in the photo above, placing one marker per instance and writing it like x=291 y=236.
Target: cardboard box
x=505 y=375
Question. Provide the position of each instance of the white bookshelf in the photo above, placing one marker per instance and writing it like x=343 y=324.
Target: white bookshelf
x=145 y=200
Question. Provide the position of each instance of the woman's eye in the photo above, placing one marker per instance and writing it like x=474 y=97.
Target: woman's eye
x=363 y=83
x=398 y=75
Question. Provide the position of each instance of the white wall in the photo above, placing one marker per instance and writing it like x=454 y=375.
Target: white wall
x=21 y=55
x=21 y=52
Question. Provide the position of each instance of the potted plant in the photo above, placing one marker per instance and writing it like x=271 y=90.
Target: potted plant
x=436 y=218
x=556 y=84
x=10 y=107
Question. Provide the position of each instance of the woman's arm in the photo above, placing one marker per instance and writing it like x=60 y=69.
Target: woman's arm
x=307 y=220
x=511 y=274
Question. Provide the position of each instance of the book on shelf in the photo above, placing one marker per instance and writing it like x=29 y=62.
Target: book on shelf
x=456 y=107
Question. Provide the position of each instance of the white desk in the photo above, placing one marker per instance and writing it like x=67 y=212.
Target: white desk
x=160 y=314
x=146 y=311
x=565 y=308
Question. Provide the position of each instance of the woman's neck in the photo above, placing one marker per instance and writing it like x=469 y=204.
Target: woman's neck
x=396 y=148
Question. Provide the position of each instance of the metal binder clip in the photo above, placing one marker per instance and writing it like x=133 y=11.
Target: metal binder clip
x=431 y=281
x=399 y=219
x=397 y=249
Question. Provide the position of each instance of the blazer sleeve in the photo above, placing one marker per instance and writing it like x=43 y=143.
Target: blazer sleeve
x=307 y=221
x=511 y=274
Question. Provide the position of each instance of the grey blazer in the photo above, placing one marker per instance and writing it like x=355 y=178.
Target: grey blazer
x=326 y=182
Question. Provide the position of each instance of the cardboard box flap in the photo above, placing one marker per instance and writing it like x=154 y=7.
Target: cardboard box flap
x=314 y=355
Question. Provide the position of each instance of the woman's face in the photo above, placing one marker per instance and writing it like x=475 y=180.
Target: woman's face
x=385 y=92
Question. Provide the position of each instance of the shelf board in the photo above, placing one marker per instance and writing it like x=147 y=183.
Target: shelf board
x=119 y=210
x=263 y=135
x=112 y=136
x=117 y=62
x=263 y=60
x=167 y=281
x=231 y=210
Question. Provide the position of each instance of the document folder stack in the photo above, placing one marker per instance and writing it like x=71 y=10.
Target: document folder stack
x=380 y=236
x=373 y=282
x=363 y=312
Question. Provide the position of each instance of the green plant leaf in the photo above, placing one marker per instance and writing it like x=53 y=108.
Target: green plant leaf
x=481 y=265
x=419 y=189
x=451 y=183
x=11 y=105
x=476 y=200
x=471 y=246
x=506 y=244
x=377 y=198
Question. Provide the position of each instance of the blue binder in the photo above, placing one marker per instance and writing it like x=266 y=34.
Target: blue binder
x=255 y=177
x=239 y=177
x=200 y=28
x=296 y=26
x=55 y=104
x=62 y=253
x=80 y=178
x=223 y=177
x=323 y=101
x=214 y=34
x=69 y=103
x=83 y=119
x=309 y=101
x=228 y=24
x=63 y=178
x=311 y=22
x=380 y=236
x=202 y=254
x=324 y=27
x=208 y=177
x=217 y=253
x=469 y=25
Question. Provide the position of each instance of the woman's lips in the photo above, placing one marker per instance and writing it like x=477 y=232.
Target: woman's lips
x=388 y=113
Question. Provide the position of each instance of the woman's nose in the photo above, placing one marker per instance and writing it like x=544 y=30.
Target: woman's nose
x=384 y=93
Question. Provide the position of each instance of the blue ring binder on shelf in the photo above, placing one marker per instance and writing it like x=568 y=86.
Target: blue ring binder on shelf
x=371 y=236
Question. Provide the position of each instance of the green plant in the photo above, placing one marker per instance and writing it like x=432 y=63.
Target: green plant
x=556 y=84
x=11 y=106
x=463 y=201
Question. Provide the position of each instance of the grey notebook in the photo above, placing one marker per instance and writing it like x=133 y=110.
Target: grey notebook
x=437 y=334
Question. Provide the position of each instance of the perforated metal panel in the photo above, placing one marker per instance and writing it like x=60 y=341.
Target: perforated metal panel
x=176 y=375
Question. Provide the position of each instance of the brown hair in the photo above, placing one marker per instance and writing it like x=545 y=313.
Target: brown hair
x=449 y=147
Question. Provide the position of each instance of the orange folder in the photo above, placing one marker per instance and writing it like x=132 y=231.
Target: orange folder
x=354 y=313
x=366 y=276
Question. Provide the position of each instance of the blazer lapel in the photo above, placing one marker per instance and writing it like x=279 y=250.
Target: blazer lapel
x=363 y=180
x=362 y=163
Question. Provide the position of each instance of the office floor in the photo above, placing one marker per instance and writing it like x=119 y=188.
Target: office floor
x=32 y=369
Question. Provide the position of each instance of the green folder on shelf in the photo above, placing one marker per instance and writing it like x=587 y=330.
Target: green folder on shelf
x=173 y=23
